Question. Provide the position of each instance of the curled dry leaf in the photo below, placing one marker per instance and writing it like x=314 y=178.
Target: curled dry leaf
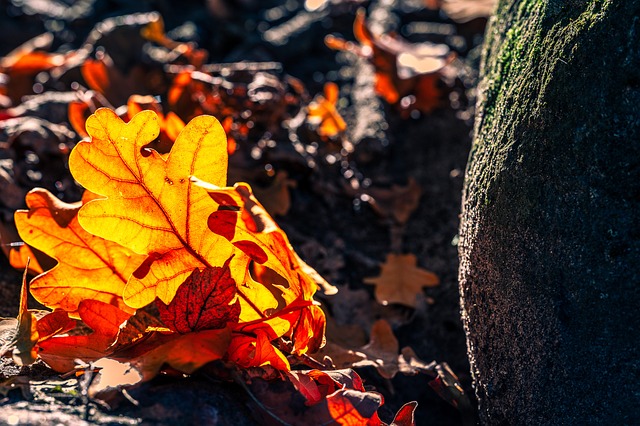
x=405 y=415
x=382 y=350
x=89 y=267
x=401 y=280
x=405 y=73
x=20 y=335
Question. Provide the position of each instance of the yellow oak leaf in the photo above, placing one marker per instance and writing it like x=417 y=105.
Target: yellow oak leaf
x=401 y=280
x=89 y=267
x=150 y=204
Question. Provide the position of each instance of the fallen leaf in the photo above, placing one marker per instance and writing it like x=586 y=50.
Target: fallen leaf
x=256 y=351
x=275 y=198
x=183 y=352
x=61 y=352
x=398 y=201
x=350 y=407
x=24 y=344
x=89 y=267
x=400 y=66
x=155 y=206
x=324 y=114
x=202 y=302
x=151 y=206
x=53 y=323
x=405 y=415
x=382 y=350
x=401 y=280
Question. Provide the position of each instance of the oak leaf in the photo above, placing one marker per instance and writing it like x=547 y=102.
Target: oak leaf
x=203 y=301
x=89 y=267
x=382 y=350
x=151 y=206
x=401 y=280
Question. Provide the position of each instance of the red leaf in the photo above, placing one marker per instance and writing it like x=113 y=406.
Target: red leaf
x=56 y=322
x=103 y=318
x=249 y=351
x=405 y=415
x=306 y=386
x=202 y=302
x=223 y=222
x=252 y=250
x=350 y=407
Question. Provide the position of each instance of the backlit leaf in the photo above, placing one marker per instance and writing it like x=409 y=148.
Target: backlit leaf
x=152 y=207
x=324 y=114
x=61 y=352
x=405 y=415
x=202 y=302
x=89 y=267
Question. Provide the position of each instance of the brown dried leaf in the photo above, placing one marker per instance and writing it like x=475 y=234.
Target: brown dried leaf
x=401 y=280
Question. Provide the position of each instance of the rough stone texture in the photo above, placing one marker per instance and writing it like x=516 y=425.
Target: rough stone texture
x=550 y=233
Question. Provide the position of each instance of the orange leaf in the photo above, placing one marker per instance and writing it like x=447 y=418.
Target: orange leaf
x=21 y=256
x=151 y=206
x=323 y=112
x=401 y=280
x=89 y=267
x=78 y=113
x=56 y=322
x=96 y=74
x=202 y=302
x=104 y=319
x=183 y=352
x=61 y=352
x=249 y=351
x=348 y=407
x=173 y=125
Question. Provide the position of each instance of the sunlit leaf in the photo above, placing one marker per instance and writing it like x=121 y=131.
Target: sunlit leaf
x=89 y=267
x=202 y=302
x=151 y=206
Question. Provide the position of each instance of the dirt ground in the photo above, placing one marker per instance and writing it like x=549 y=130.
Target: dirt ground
x=329 y=224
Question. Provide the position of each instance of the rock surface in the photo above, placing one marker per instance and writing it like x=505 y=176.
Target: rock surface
x=550 y=238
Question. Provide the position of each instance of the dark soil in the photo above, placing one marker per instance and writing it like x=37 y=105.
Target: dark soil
x=329 y=225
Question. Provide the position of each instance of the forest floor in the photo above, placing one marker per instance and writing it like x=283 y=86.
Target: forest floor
x=397 y=190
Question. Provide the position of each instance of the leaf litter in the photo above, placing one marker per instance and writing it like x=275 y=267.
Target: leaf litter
x=254 y=294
